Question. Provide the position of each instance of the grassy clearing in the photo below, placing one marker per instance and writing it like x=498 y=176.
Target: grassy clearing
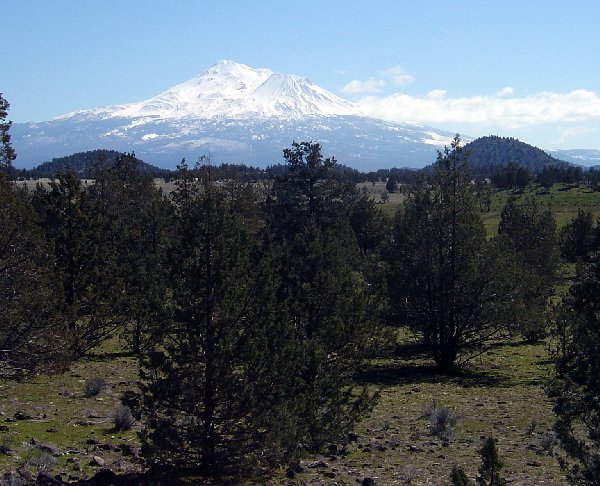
x=562 y=200
x=500 y=394
x=80 y=426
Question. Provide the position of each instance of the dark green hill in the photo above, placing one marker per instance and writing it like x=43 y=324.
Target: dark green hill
x=490 y=153
x=84 y=164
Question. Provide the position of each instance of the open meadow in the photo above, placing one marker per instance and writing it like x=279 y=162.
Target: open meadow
x=64 y=430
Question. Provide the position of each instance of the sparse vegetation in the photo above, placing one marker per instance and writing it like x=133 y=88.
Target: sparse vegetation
x=442 y=421
x=94 y=386
x=122 y=418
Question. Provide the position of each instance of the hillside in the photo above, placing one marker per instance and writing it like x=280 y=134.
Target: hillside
x=83 y=164
x=489 y=153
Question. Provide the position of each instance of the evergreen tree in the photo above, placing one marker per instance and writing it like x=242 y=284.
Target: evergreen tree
x=530 y=234
x=85 y=268
x=325 y=296
x=577 y=238
x=576 y=389
x=7 y=153
x=391 y=185
x=133 y=222
x=28 y=327
x=458 y=477
x=215 y=384
x=489 y=471
x=446 y=280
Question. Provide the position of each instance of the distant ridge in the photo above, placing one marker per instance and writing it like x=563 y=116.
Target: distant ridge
x=489 y=153
x=84 y=165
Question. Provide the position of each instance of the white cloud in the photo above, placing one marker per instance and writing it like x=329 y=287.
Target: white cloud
x=371 y=85
x=375 y=84
x=508 y=91
x=568 y=133
x=500 y=109
x=397 y=76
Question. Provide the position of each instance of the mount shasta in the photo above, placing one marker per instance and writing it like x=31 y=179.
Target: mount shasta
x=235 y=114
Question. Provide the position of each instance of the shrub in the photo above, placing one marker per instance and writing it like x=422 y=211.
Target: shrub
x=458 y=477
x=442 y=420
x=42 y=461
x=93 y=386
x=548 y=441
x=122 y=418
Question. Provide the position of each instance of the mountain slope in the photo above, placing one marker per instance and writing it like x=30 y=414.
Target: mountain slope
x=487 y=154
x=235 y=114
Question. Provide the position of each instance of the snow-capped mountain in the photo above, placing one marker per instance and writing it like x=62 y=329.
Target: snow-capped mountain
x=585 y=157
x=237 y=114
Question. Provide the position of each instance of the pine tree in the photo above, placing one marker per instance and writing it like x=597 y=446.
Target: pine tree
x=529 y=235
x=134 y=228
x=28 y=326
x=325 y=296
x=215 y=383
x=458 y=477
x=491 y=465
x=576 y=389
x=7 y=153
x=577 y=238
x=85 y=269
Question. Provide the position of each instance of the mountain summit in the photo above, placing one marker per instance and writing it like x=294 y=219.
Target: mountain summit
x=232 y=90
x=235 y=114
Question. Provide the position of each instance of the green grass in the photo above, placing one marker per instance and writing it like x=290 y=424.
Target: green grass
x=500 y=394
x=64 y=416
x=562 y=200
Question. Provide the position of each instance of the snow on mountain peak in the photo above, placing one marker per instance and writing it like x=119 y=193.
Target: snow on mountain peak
x=232 y=90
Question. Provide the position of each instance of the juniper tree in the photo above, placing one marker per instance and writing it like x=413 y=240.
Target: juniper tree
x=85 y=266
x=29 y=330
x=215 y=385
x=576 y=389
x=529 y=235
x=446 y=280
x=577 y=238
x=7 y=153
x=132 y=219
x=491 y=465
x=325 y=295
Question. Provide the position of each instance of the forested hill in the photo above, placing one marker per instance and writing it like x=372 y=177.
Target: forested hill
x=487 y=154
x=84 y=164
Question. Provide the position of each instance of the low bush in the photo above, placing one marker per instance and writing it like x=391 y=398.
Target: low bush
x=122 y=418
x=93 y=386
x=441 y=420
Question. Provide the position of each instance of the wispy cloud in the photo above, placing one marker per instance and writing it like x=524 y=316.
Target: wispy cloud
x=508 y=91
x=568 y=133
x=371 y=85
x=397 y=76
x=500 y=109
x=375 y=84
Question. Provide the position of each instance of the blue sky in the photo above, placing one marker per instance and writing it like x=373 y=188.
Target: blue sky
x=528 y=69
